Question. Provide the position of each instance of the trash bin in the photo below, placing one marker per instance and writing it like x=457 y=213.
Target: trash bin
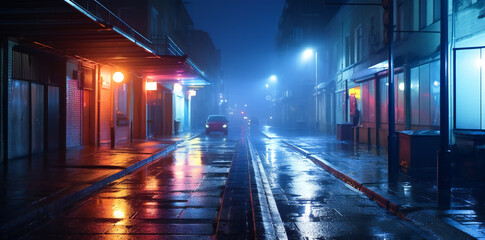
x=176 y=126
x=418 y=148
x=345 y=131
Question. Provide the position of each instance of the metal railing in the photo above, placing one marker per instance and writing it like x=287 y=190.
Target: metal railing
x=99 y=13
x=164 y=45
x=158 y=44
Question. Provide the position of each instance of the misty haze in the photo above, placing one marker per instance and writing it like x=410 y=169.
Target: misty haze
x=231 y=119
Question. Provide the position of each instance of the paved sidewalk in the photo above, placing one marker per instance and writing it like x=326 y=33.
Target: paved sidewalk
x=33 y=189
x=414 y=197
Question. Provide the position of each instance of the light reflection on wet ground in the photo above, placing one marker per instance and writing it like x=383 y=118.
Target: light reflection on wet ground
x=315 y=205
x=416 y=189
x=176 y=197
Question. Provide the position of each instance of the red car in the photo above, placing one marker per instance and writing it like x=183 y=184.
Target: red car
x=216 y=123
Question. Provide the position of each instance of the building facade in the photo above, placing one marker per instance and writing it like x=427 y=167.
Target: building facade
x=353 y=50
x=59 y=87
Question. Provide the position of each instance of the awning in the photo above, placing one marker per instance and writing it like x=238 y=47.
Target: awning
x=376 y=71
x=87 y=30
x=370 y=73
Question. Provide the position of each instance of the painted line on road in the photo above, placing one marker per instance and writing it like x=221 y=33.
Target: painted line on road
x=43 y=213
x=274 y=228
x=438 y=229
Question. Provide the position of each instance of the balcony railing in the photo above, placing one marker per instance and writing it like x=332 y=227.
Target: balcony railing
x=99 y=13
x=161 y=45
x=164 y=45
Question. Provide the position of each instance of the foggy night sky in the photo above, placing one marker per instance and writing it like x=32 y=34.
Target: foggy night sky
x=245 y=32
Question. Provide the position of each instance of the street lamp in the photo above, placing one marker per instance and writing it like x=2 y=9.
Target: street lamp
x=118 y=77
x=307 y=54
x=273 y=78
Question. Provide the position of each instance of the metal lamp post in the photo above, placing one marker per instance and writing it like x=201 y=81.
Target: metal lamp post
x=307 y=54
x=118 y=77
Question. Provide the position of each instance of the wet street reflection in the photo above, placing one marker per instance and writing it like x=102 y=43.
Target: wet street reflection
x=178 y=197
x=313 y=204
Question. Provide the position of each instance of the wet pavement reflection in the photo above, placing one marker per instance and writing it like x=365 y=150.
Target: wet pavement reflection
x=315 y=205
x=177 y=197
x=209 y=189
x=414 y=191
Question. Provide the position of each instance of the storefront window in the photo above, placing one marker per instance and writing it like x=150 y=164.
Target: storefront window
x=469 y=95
x=369 y=102
x=425 y=95
x=340 y=110
x=399 y=97
x=384 y=101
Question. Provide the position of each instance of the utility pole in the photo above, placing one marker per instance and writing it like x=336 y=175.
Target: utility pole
x=316 y=90
x=444 y=153
x=392 y=157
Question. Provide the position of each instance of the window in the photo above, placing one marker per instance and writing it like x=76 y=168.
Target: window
x=470 y=89
x=347 y=51
x=425 y=101
x=369 y=101
x=437 y=10
x=373 y=37
x=400 y=115
x=399 y=98
x=384 y=101
x=358 y=44
x=422 y=13
x=340 y=109
x=429 y=12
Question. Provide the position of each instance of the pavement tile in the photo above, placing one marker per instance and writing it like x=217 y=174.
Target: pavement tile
x=163 y=228
x=199 y=213
x=204 y=202
x=158 y=213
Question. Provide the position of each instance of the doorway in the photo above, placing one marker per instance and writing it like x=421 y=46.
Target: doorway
x=87 y=125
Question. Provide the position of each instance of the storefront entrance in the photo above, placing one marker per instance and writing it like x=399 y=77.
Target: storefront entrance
x=27 y=118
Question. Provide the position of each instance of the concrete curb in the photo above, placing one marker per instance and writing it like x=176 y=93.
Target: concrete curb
x=450 y=232
x=14 y=228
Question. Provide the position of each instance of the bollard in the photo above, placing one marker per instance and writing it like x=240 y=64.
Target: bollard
x=113 y=137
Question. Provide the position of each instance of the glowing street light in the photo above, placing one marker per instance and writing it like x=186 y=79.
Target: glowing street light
x=192 y=93
x=151 y=86
x=273 y=78
x=177 y=87
x=307 y=54
x=118 y=77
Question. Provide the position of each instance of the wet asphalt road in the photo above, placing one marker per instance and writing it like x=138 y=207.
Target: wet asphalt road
x=313 y=204
x=203 y=191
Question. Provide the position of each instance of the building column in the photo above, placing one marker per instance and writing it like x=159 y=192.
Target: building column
x=5 y=73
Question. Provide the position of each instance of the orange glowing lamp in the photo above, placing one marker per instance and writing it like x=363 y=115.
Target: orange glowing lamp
x=151 y=86
x=118 y=77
